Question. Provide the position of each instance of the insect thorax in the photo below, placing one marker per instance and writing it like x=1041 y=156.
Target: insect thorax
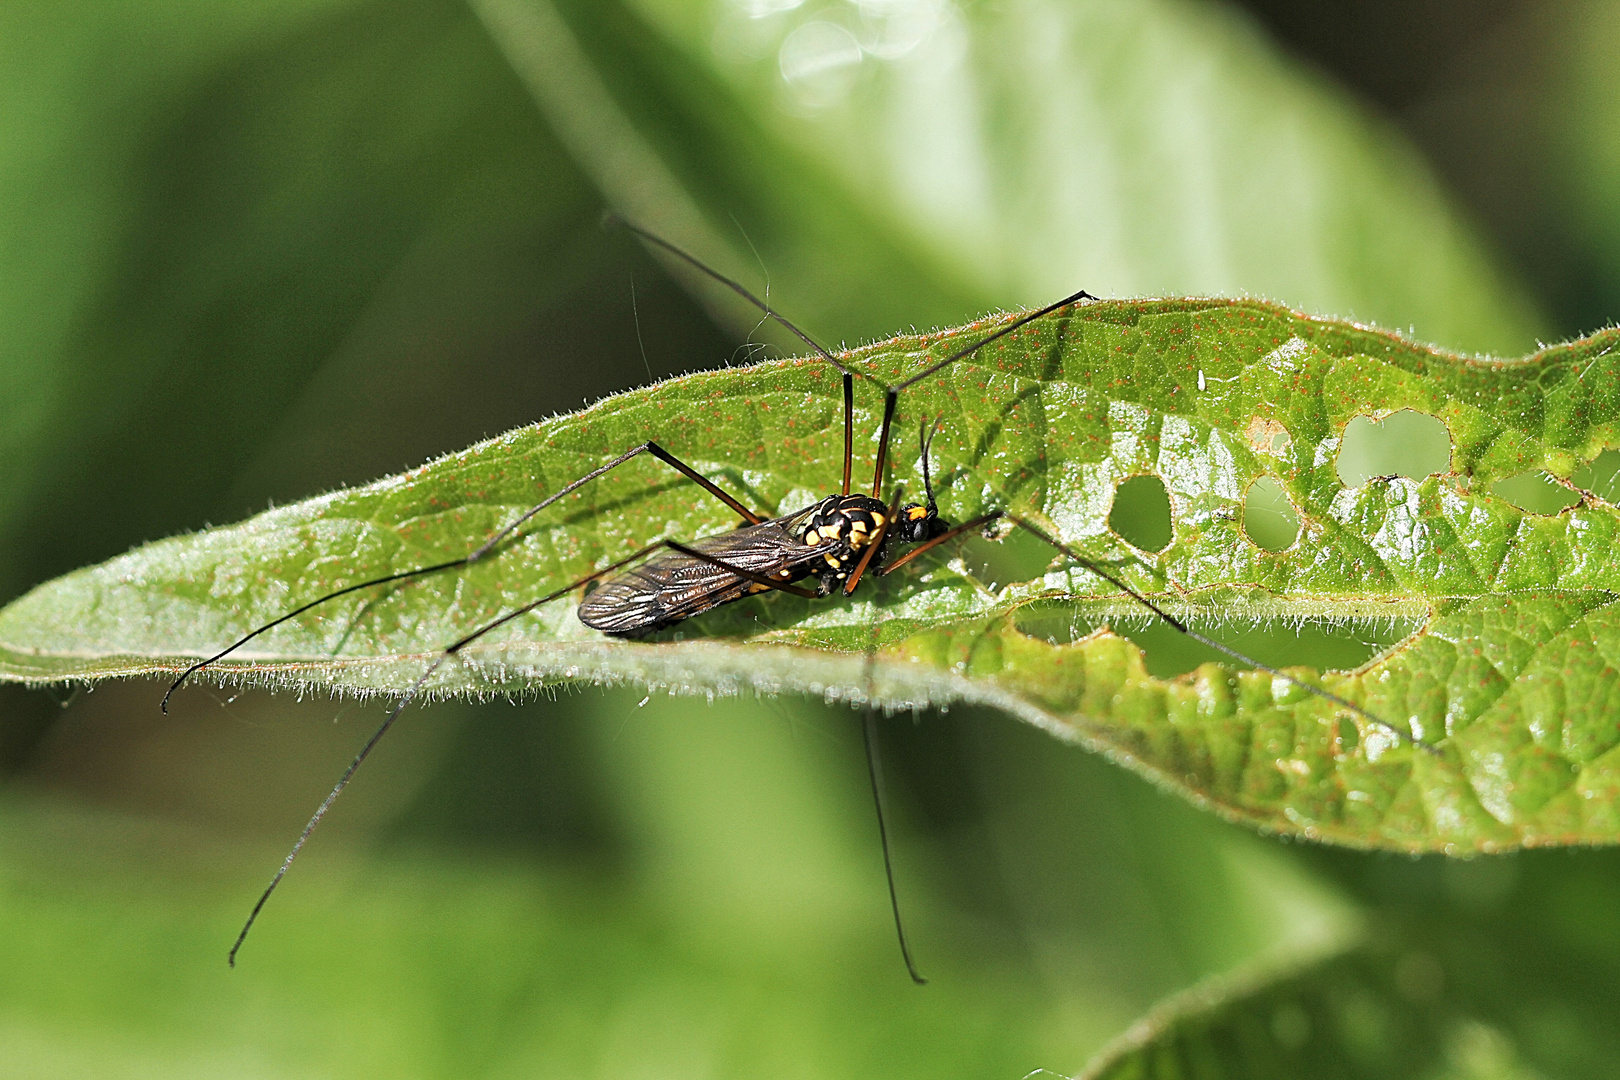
x=847 y=524
x=851 y=523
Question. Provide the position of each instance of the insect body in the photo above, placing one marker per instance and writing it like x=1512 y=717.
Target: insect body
x=832 y=543
x=825 y=541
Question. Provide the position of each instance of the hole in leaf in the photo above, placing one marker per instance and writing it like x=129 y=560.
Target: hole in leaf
x=1269 y=518
x=1600 y=476
x=1018 y=556
x=1536 y=492
x=1340 y=645
x=1407 y=443
x=1141 y=513
x=1268 y=436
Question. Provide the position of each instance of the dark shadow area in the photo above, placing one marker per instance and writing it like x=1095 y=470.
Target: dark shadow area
x=300 y=304
x=1018 y=555
x=25 y=718
x=518 y=777
x=1481 y=87
x=1526 y=942
x=1141 y=513
x=1392 y=51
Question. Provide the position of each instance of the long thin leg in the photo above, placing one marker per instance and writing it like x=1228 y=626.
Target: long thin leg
x=771 y=313
x=1209 y=642
x=1175 y=623
x=874 y=547
x=950 y=534
x=890 y=397
x=293 y=614
x=483 y=549
x=1072 y=298
x=388 y=722
x=875 y=771
x=890 y=400
x=451 y=650
x=849 y=426
x=648 y=447
x=892 y=394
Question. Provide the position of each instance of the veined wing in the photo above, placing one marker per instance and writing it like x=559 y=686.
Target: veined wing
x=673 y=586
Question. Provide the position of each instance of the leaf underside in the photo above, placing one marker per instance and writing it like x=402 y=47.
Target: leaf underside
x=1508 y=677
x=1364 y=1013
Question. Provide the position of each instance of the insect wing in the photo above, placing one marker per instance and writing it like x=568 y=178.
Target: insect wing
x=674 y=586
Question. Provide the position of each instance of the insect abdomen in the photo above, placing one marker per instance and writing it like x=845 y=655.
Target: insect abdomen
x=675 y=586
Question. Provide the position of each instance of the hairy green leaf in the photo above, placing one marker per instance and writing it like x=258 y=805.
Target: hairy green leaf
x=1508 y=680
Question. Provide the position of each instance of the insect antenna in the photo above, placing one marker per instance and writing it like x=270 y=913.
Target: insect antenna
x=925 y=436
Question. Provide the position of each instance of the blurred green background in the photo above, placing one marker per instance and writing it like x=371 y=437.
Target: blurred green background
x=251 y=252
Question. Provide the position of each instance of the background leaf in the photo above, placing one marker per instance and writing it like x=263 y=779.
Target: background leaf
x=1485 y=968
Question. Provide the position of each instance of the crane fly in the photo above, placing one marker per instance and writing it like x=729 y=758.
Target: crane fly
x=832 y=544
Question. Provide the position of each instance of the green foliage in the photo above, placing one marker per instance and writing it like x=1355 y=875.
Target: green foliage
x=254 y=252
x=1507 y=684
